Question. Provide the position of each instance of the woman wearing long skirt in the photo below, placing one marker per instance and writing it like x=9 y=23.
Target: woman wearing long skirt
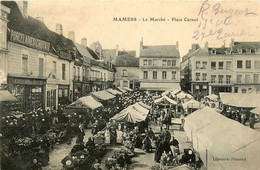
x=107 y=136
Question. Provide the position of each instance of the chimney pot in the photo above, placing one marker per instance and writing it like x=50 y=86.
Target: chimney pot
x=59 y=29
x=84 y=42
x=177 y=44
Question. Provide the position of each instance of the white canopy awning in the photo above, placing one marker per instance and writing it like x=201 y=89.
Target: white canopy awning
x=256 y=110
x=6 y=96
x=240 y=100
x=212 y=97
x=165 y=99
x=192 y=104
x=85 y=102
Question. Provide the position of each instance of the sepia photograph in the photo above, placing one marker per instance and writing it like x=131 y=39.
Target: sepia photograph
x=130 y=85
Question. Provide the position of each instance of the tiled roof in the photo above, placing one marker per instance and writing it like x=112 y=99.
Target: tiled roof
x=60 y=45
x=159 y=51
x=221 y=50
x=93 y=54
x=83 y=51
x=251 y=45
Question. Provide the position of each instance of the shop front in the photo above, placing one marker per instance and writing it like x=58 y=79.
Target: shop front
x=28 y=91
x=86 y=89
x=64 y=95
x=200 y=90
x=218 y=88
x=77 y=90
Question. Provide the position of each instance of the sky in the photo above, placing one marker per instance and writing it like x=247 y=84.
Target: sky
x=94 y=20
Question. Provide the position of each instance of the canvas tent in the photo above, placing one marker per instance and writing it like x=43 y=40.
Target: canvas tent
x=114 y=92
x=256 y=111
x=121 y=89
x=145 y=105
x=6 y=96
x=133 y=114
x=175 y=92
x=240 y=100
x=85 y=102
x=128 y=89
x=165 y=99
x=215 y=136
x=103 y=95
x=212 y=97
x=194 y=104
x=182 y=95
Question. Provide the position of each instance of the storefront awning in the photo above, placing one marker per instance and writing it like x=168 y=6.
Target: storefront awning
x=121 y=89
x=212 y=97
x=194 y=104
x=6 y=96
x=128 y=89
x=103 y=95
x=85 y=102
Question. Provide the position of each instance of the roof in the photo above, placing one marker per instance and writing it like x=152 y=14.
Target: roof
x=256 y=111
x=61 y=46
x=114 y=92
x=121 y=89
x=125 y=59
x=85 y=102
x=6 y=96
x=240 y=100
x=251 y=45
x=83 y=51
x=93 y=54
x=159 y=51
x=103 y=95
x=191 y=104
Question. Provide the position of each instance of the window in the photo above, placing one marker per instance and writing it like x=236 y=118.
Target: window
x=173 y=75
x=125 y=83
x=154 y=75
x=213 y=51
x=243 y=90
x=197 y=64
x=228 y=65
x=239 y=51
x=40 y=66
x=239 y=78
x=101 y=75
x=83 y=74
x=257 y=64
x=24 y=64
x=169 y=63
x=145 y=63
x=257 y=89
x=105 y=77
x=54 y=67
x=213 y=78
x=164 y=75
x=145 y=74
x=256 y=78
x=248 y=64
x=236 y=90
x=220 y=65
x=124 y=73
x=164 y=63
x=204 y=64
x=213 y=65
x=63 y=71
x=78 y=73
x=150 y=62
x=48 y=98
x=197 y=76
x=239 y=64
x=74 y=72
x=204 y=76
x=247 y=79
x=220 y=78
x=173 y=63
x=248 y=51
x=228 y=79
x=154 y=62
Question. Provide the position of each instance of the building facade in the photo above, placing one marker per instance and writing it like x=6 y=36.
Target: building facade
x=159 y=67
x=210 y=70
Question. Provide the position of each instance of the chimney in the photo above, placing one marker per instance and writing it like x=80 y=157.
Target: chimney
x=194 y=47
x=59 y=29
x=232 y=42
x=142 y=43
x=206 y=44
x=23 y=6
x=40 y=18
x=84 y=41
x=71 y=35
x=177 y=45
x=117 y=47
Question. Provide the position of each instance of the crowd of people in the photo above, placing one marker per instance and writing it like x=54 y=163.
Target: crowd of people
x=239 y=114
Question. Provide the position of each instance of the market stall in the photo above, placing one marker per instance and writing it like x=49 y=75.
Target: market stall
x=191 y=105
x=164 y=100
x=104 y=97
x=128 y=89
x=122 y=89
x=6 y=99
x=213 y=137
x=85 y=102
x=114 y=92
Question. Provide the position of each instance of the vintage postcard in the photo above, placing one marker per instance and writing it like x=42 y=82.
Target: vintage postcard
x=130 y=84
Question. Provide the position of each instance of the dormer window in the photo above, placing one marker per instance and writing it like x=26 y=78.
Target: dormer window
x=228 y=51
x=213 y=51
x=239 y=50
x=248 y=50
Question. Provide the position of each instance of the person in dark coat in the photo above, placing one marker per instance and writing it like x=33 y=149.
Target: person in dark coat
x=174 y=142
x=159 y=151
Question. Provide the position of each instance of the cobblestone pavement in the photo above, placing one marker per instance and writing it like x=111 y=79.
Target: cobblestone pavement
x=62 y=150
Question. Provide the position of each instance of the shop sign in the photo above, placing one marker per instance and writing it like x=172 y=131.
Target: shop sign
x=28 y=82
x=29 y=41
